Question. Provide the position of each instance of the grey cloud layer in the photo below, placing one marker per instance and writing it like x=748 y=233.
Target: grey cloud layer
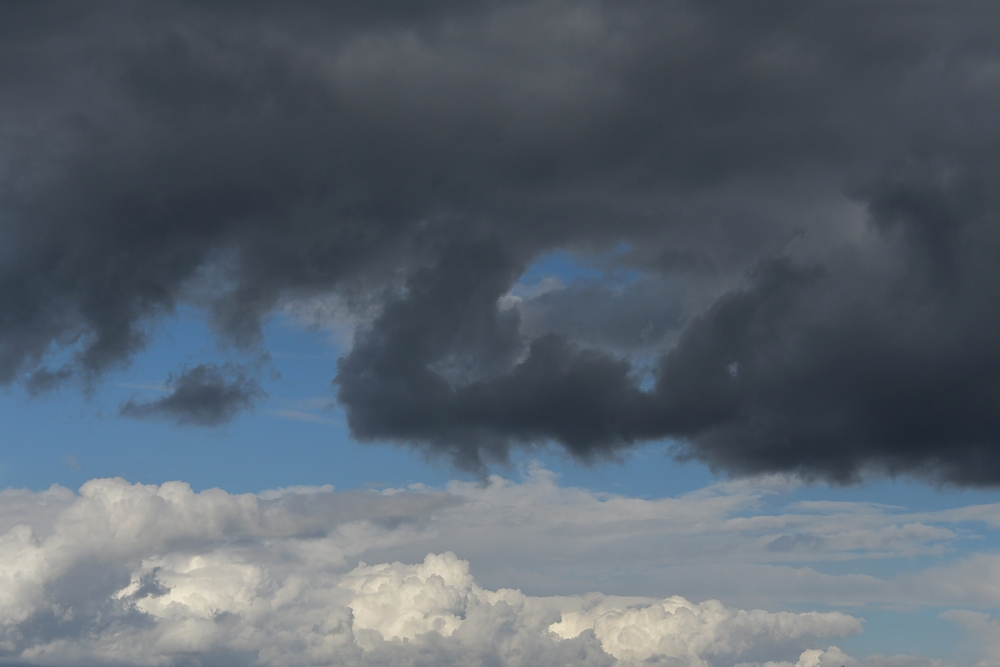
x=807 y=194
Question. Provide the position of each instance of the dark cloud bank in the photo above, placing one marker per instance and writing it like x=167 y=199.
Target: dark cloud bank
x=802 y=197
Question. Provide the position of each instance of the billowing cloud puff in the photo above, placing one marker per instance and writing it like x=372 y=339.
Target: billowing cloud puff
x=160 y=575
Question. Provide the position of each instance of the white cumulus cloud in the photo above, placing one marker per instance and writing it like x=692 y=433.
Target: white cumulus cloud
x=131 y=574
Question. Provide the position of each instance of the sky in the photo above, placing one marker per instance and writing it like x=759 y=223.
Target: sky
x=500 y=333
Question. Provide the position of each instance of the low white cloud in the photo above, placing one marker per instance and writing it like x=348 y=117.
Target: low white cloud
x=123 y=573
x=693 y=633
x=834 y=657
x=983 y=629
x=159 y=575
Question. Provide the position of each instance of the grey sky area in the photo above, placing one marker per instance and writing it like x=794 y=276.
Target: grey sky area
x=802 y=199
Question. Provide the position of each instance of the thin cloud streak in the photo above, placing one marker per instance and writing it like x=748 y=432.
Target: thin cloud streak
x=297 y=415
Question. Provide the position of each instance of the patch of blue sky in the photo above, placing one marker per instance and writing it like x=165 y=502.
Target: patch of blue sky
x=296 y=436
x=905 y=631
x=560 y=264
x=568 y=268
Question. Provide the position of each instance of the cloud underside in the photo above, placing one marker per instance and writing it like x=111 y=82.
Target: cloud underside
x=792 y=213
x=123 y=574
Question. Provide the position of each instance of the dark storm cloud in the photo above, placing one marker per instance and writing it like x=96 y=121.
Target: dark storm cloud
x=808 y=194
x=205 y=395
